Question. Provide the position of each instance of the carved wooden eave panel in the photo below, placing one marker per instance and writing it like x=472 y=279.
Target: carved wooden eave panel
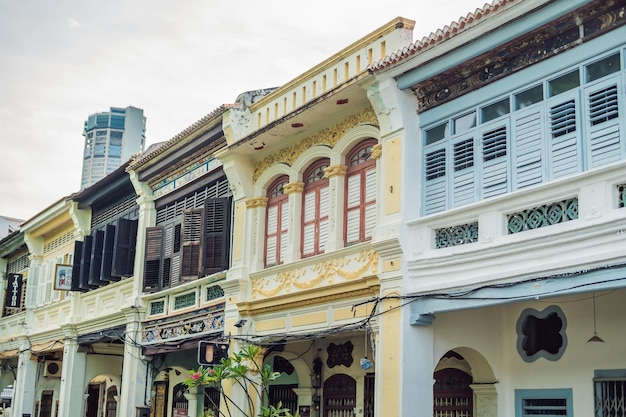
x=330 y=279
x=551 y=39
x=329 y=136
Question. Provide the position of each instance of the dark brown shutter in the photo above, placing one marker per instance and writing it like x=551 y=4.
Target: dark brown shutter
x=85 y=263
x=153 y=260
x=171 y=254
x=77 y=261
x=191 y=244
x=216 y=234
x=107 y=254
x=96 y=260
x=124 y=248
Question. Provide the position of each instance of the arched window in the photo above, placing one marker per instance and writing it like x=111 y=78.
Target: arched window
x=276 y=222
x=315 y=209
x=452 y=393
x=360 y=207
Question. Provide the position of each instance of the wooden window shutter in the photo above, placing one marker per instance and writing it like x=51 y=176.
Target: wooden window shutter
x=271 y=236
x=191 y=243
x=124 y=248
x=76 y=265
x=85 y=263
x=107 y=254
x=152 y=280
x=95 y=264
x=308 y=228
x=353 y=209
x=370 y=202
x=217 y=213
x=171 y=254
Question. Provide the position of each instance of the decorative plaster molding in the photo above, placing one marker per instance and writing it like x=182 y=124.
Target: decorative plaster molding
x=377 y=151
x=256 y=202
x=335 y=171
x=293 y=187
x=307 y=278
x=248 y=309
x=329 y=136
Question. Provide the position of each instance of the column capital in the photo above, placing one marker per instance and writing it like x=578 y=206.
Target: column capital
x=377 y=151
x=256 y=202
x=335 y=171
x=293 y=187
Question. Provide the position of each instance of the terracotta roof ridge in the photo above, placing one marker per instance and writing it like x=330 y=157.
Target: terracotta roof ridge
x=142 y=158
x=440 y=35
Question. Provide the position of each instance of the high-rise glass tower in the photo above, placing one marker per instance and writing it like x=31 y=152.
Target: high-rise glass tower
x=111 y=138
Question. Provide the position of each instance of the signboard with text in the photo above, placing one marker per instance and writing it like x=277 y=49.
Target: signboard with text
x=13 y=296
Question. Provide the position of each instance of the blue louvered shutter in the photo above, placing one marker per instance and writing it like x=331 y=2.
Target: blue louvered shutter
x=463 y=171
x=528 y=149
x=495 y=175
x=435 y=180
x=564 y=131
x=603 y=121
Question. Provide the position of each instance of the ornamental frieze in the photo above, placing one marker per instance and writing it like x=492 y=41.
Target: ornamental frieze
x=558 y=36
x=329 y=136
x=328 y=272
x=256 y=202
x=205 y=321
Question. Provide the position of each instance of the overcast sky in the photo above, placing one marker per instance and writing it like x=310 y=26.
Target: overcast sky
x=178 y=61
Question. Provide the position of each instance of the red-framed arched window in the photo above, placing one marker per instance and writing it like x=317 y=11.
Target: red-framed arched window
x=276 y=222
x=360 y=199
x=315 y=208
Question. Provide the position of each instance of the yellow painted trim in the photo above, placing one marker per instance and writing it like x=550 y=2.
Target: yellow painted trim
x=390 y=322
x=308 y=319
x=351 y=313
x=393 y=167
x=365 y=287
x=238 y=238
x=392 y=265
x=268 y=325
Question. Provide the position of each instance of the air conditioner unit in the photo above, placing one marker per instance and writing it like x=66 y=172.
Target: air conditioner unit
x=52 y=368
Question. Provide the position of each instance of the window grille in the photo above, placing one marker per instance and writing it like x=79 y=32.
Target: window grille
x=185 y=300
x=542 y=216
x=157 y=307
x=122 y=208
x=610 y=397
x=544 y=407
x=196 y=199
x=18 y=264
x=621 y=195
x=456 y=235
x=214 y=292
x=58 y=242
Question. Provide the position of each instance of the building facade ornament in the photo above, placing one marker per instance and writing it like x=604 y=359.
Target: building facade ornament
x=377 y=151
x=335 y=171
x=349 y=268
x=293 y=187
x=256 y=202
x=329 y=136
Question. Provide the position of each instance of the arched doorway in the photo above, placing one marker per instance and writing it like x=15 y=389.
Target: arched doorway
x=339 y=396
x=452 y=394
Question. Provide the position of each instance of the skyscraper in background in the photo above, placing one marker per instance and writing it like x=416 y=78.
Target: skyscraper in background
x=111 y=138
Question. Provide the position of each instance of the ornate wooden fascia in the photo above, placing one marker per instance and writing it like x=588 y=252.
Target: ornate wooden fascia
x=575 y=28
x=328 y=136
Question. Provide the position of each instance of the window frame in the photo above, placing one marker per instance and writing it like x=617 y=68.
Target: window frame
x=361 y=170
x=527 y=394
x=280 y=201
x=314 y=186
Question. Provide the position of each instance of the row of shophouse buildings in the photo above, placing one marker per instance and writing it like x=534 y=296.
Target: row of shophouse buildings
x=407 y=229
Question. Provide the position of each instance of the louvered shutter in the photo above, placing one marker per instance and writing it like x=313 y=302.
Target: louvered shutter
x=48 y=277
x=153 y=259
x=217 y=219
x=76 y=265
x=602 y=102
x=124 y=248
x=564 y=135
x=353 y=208
x=308 y=230
x=85 y=263
x=271 y=238
x=95 y=264
x=528 y=166
x=370 y=202
x=463 y=172
x=171 y=255
x=283 y=228
x=107 y=254
x=435 y=185
x=191 y=243
x=495 y=176
x=324 y=209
